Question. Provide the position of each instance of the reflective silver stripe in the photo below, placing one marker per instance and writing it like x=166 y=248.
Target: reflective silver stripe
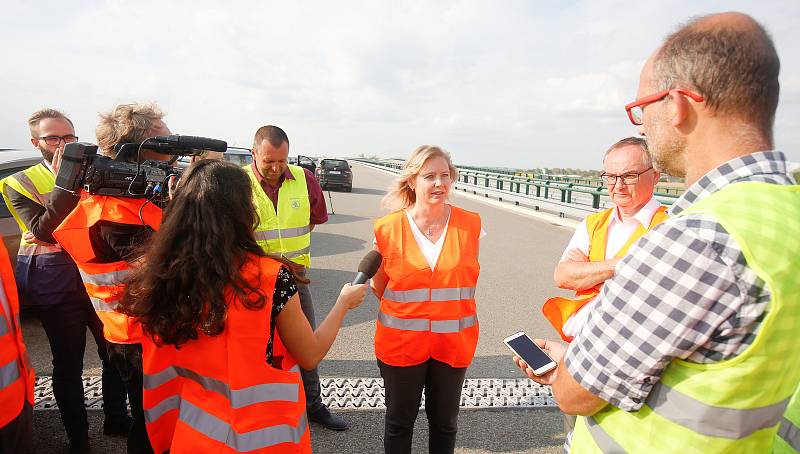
x=157 y=411
x=790 y=433
x=219 y=430
x=423 y=324
x=424 y=294
x=452 y=294
x=295 y=368
x=266 y=235
x=297 y=253
x=3 y=326
x=26 y=183
x=710 y=420
x=9 y=373
x=110 y=278
x=406 y=324
x=601 y=438
x=103 y=306
x=453 y=326
x=407 y=296
x=36 y=249
x=265 y=392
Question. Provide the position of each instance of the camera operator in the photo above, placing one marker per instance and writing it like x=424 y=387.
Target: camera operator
x=102 y=234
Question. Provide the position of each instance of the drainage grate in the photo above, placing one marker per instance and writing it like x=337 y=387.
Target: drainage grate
x=361 y=393
x=43 y=393
x=368 y=393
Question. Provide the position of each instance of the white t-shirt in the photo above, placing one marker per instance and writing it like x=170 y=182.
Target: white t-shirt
x=619 y=233
x=429 y=249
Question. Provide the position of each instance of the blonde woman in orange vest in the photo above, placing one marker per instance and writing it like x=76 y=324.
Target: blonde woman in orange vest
x=603 y=238
x=427 y=327
x=210 y=302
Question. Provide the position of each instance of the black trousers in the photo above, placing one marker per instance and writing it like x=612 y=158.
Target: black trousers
x=127 y=358
x=15 y=437
x=65 y=325
x=404 y=385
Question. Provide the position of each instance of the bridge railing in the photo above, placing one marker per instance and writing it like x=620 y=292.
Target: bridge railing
x=565 y=198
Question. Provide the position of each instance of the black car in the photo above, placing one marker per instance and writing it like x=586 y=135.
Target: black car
x=335 y=173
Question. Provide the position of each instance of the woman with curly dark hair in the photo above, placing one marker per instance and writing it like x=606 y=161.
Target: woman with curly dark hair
x=209 y=300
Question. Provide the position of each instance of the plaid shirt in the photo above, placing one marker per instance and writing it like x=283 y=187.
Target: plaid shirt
x=683 y=291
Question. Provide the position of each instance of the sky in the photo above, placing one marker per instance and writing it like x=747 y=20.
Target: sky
x=520 y=84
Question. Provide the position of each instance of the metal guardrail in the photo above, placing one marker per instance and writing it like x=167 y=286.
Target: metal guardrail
x=567 y=199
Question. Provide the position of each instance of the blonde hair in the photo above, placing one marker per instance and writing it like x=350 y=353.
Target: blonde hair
x=126 y=123
x=39 y=115
x=400 y=194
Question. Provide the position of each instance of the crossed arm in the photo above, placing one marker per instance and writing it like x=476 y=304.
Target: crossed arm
x=578 y=273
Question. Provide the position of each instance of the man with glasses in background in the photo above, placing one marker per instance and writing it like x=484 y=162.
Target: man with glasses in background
x=50 y=285
x=693 y=345
x=603 y=238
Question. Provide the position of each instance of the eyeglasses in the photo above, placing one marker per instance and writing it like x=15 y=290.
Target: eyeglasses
x=628 y=178
x=56 y=140
x=636 y=109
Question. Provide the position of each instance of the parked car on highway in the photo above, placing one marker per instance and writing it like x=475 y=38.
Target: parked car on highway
x=11 y=162
x=335 y=173
x=307 y=163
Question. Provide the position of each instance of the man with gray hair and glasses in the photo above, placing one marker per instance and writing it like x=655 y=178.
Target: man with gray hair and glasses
x=693 y=345
x=603 y=238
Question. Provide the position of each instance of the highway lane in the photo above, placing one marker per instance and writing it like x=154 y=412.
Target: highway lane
x=517 y=258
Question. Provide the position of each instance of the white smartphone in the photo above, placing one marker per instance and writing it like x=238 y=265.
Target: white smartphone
x=525 y=348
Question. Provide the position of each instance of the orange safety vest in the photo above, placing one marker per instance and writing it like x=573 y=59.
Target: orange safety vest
x=428 y=313
x=16 y=374
x=218 y=394
x=104 y=282
x=558 y=309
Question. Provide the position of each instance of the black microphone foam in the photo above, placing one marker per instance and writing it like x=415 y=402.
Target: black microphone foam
x=193 y=143
x=368 y=267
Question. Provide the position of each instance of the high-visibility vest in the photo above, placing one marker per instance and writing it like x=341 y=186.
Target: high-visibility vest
x=104 y=282
x=16 y=374
x=559 y=309
x=36 y=183
x=428 y=313
x=286 y=233
x=788 y=436
x=218 y=394
x=734 y=405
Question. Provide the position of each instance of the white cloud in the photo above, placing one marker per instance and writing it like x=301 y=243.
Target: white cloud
x=506 y=83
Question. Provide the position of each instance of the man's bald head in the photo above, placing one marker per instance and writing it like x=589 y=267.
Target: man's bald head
x=730 y=60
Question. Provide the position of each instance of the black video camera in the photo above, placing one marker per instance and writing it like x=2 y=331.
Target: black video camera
x=82 y=168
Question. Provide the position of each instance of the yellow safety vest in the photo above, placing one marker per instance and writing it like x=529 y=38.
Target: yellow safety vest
x=286 y=233
x=36 y=183
x=734 y=405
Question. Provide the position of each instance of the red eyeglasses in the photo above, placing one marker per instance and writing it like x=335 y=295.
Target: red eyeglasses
x=636 y=109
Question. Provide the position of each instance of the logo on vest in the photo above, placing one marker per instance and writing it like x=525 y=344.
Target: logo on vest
x=295 y=203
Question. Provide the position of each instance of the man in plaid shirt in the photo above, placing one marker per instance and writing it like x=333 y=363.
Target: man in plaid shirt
x=685 y=297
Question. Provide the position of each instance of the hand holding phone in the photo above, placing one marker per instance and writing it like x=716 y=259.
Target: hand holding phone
x=522 y=345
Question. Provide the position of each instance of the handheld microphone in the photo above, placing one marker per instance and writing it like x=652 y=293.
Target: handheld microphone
x=192 y=143
x=368 y=267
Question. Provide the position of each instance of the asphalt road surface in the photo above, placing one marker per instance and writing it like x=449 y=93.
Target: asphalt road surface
x=517 y=258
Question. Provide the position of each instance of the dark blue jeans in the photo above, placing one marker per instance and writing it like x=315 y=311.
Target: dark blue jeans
x=127 y=358
x=310 y=377
x=65 y=325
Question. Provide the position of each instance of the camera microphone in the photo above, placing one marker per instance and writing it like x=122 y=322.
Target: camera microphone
x=180 y=142
x=368 y=267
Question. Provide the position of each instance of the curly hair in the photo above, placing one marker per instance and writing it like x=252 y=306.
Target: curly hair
x=197 y=254
x=126 y=123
